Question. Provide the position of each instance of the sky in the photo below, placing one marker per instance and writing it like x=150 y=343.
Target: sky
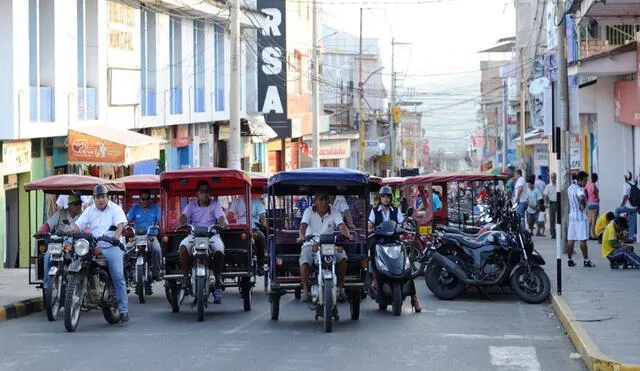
x=441 y=65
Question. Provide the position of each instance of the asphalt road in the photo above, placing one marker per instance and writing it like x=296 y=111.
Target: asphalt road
x=475 y=332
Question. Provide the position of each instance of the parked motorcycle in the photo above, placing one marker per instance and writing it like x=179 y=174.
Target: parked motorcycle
x=504 y=256
x=89 y=285
x=393 y=268
x=324 y=285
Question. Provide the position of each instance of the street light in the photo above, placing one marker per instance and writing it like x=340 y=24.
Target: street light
x=362 y=120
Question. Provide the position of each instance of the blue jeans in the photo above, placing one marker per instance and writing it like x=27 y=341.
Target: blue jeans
x=114 y=257
x=631 y=218
x=627 y=254
x=522 y=208
x=156 y=254
x=47 y=265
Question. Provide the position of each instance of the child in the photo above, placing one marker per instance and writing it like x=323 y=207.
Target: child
x=541 y=220
x=601 y=224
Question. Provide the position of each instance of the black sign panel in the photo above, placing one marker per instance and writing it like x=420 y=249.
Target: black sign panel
x=272 y=67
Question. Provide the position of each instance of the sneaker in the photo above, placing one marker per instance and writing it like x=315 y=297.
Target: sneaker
x=589 y=264
x=571 y=263
x=124 y=317
x=217 y=296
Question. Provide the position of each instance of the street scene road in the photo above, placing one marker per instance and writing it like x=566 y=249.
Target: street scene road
x=495 y=331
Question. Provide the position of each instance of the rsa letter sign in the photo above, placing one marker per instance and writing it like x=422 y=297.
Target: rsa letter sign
x=272 y=68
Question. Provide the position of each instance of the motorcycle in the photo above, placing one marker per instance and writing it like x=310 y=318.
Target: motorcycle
x=324 y=285
x=59 y=261
x=141 y=275
x=505 y=256
x=89 y=284
x=393 y=268
x=201 y=274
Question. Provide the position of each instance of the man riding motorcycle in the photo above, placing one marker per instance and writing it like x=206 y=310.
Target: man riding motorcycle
x=204 y=212
x=317 y=220
x=258 y=220
x=386 y=212
x=98 y=219
x=144 y=215
x=61 y=221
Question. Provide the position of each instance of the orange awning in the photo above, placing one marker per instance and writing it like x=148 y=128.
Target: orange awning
x=111 y=146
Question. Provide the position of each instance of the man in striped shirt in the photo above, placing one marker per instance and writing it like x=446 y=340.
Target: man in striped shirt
x=578 y=226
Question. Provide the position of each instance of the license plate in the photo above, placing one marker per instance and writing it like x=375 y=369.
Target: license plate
x=328 y=249
x=425 y=230
x=201 y=271
x=55 y=248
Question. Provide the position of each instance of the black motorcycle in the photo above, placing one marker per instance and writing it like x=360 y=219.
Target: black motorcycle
x=139 y=272
x=59 y=261
x=504 y=256
x=393 y=268
x=89 y=284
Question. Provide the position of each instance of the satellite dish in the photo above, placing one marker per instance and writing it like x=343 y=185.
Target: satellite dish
x=538 y=85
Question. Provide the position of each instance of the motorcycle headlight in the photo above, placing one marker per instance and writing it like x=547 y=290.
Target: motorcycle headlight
x=201 y=243
x=392 y=251
x=81 y=247
x=141 y=240
x=54 y=248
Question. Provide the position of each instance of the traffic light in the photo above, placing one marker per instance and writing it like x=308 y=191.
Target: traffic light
x=395 y=112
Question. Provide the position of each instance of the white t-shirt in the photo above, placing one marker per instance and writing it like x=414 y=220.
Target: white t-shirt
x=340 y=204
x=239 y=209
x=317 y=224
x=520 y=183
x=99 y=222
x=551 y=192
x=574 y=193
x=626 y=191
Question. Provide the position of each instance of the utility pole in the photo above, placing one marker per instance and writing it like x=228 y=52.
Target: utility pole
x=392 y=129
x=562 y=150
x=234 y=89
x=315 y=94
x=361 y=119
x=523 y=91
x=505 y=118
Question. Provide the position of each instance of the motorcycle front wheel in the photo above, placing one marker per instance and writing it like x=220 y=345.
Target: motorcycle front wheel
x=532 y=287
x=73 y=301
x=443 y=284
x=396 y=306
x=415 y=259
x=201 y=296
x=327 y=289
x=110 y=304
x=140 y=281
x=53 y=293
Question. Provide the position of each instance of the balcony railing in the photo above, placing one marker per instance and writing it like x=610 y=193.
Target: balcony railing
x=46 y=98
x=611 y=38
x=148 y=106
x=87 y=100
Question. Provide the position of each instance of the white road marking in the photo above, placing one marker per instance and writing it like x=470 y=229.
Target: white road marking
x=497 y=337
x=514 y=358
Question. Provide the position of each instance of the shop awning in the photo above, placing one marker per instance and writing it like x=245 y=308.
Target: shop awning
x=257 y=128
x=100 y=145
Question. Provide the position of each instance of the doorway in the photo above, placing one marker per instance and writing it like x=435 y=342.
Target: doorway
x=12 y=239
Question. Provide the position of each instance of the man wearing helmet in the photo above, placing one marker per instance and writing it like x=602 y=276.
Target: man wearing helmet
x=99 y=218
x=383 y=213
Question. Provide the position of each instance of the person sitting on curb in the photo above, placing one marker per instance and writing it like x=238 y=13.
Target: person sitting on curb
x=601 y=224
x=613 y=250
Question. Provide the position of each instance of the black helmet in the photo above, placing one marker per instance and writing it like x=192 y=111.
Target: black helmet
x=386 y=190
x=100 y=190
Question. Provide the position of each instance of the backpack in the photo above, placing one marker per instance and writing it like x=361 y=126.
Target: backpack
x=634 y=194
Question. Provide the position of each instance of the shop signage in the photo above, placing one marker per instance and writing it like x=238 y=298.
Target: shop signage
x=159 y=133
x=330 y=149
x=272 y=70
x=123 y=35
x=182 y=138
x=16 y=156
x=85 y=148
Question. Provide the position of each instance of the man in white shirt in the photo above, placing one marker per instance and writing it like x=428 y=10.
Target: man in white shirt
x=318 y=220
x=340 y=204
x=98 y=218
x=540 y=184
x=626 y=207
x=520 y=193
x=578 y=226
x=551 y=199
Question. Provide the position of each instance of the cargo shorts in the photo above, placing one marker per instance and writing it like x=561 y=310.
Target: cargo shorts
x=307 y=254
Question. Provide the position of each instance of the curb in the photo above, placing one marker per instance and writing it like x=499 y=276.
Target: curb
x=593 y=358
x=21 y=308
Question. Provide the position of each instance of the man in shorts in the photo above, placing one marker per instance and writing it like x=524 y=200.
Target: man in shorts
x=578 y=226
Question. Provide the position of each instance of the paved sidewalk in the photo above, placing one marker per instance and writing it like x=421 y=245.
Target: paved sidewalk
x=17 y=297
x=602 y=303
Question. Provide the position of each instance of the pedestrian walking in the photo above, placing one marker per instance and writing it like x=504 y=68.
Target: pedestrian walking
x=533 y=198
x=551 y=200
x=520 y=193
x=578 y=227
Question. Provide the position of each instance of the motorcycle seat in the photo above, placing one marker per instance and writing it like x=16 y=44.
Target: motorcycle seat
x=471 y=242
x=452 y=230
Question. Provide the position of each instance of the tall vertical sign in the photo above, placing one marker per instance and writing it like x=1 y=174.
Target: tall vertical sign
x=272 y=69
